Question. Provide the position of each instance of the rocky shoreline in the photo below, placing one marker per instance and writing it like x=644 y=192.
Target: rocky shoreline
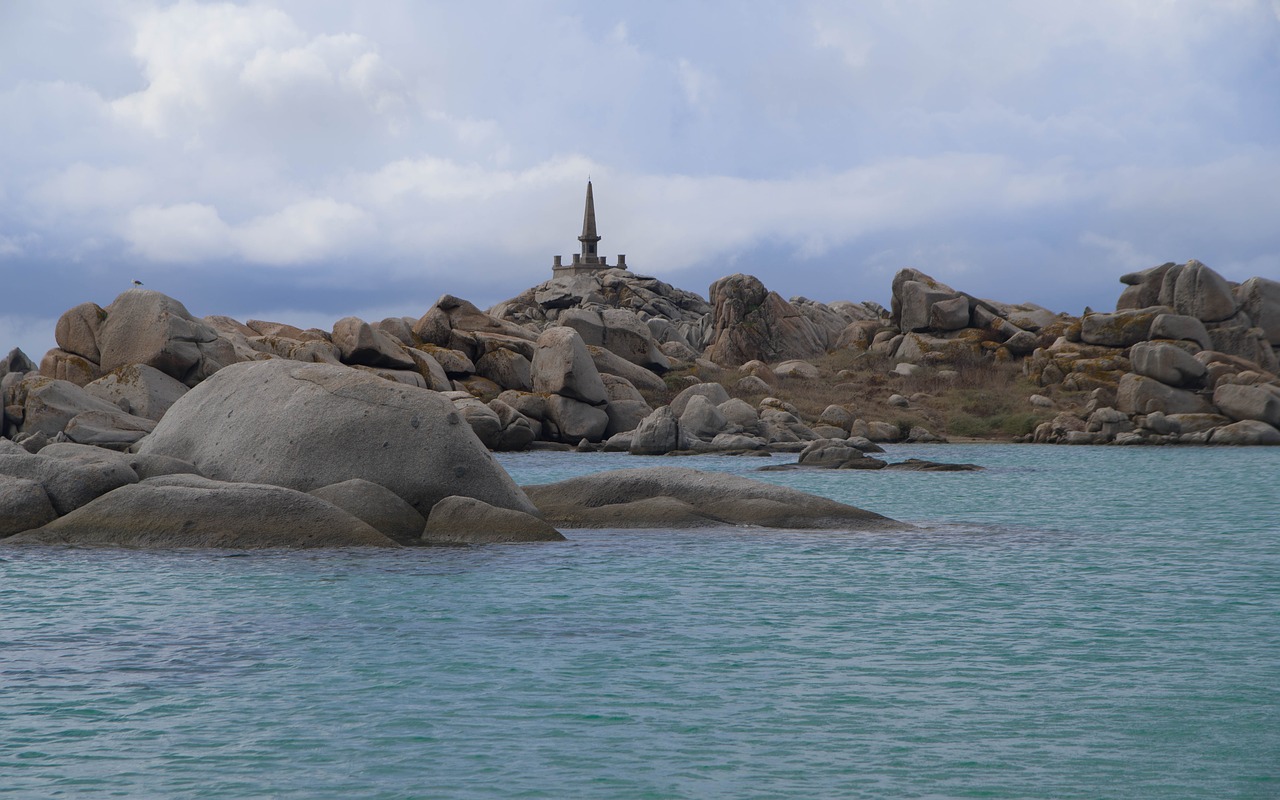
x=147 y=425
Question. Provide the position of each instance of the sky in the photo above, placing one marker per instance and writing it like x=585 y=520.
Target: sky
x=306 y=160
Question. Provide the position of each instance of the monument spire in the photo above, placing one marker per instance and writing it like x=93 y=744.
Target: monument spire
x=589 y=260
x=589 y=237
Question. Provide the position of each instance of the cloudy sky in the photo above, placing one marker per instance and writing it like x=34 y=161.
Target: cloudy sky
x=303 y=160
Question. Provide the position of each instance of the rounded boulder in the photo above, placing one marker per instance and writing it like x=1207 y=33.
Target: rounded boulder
x=304 y=426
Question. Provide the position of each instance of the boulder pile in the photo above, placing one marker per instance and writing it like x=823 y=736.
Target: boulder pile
x=1187 y=357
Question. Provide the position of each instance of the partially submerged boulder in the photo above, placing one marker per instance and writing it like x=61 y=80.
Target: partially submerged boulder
x=465 y=520
x=376 y=506
x=189 y=511
x=677 y=497
x=309 y=425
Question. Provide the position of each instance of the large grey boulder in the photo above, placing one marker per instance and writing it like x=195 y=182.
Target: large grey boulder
x=77 y=330
x=658 y=434
x=741 y=414
x=465 y=520
x=114 y=430
x=610 y=363
x=837 y=454
x=188 y=511
x=1142 y=289
x=361 y=343
x=376 y=506
x=1137 y=394
x=1239 y=402
x=575 y=420
x=625 y=415
x=1121 y=329
x=702 y=419
x=913 y=296
x=620 y=332
x=432 y=373
x=507 y=368
x=146 y=327
x=24 y=505
x=1204 y=294
x=1181 y=326
x=144 y=466
x=484 y=421
x=1247 y=432
x=1167 y=363
x=562 y=365
x=68 y=483
x=1260 y=299
x=950 y=314
x=49 y=405
x=63 y=366
x=139 y=390
x=518 y=431
x=671 y=497
x=751 y=322
x=456 y=323
x=309 y=425
x=710 y=390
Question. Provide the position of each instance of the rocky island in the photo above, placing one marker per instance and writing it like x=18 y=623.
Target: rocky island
x=149 y=426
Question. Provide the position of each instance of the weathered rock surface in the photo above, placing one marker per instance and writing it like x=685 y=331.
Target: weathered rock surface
x=913 y=297
x=139 y=390
x=68 y=483
x=1260 y=403
x=49 y=405
x=188 y=511
x=576 y=420
x=1202 y=293
x=682 y=316
x=465 y=520
x=361 y=343
x=1246 y=432
x=310 y=425
x=115 y=430
x=668 y=497
x=1121 y=329
x=1140 y=395
x=144 y=466
x=1167 y=363
x=146 y=327
x=562 y=365
x=837 y=454
x=620 y=332
x=751 y=322
x=658 y=434
x=24 y=505
x=377 y=506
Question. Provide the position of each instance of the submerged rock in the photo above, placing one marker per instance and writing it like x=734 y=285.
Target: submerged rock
x=189 y=511
x=677 y=497
x=465 y=520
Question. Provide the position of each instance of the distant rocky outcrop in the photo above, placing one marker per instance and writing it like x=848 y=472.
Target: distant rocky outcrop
x=1171 y=363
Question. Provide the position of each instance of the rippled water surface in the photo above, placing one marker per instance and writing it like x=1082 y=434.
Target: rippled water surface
x=1071 y=622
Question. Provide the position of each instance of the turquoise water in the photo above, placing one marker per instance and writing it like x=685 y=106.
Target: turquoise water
x=1073 y=622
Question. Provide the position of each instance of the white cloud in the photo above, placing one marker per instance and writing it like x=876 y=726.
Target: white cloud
x=183 y=233
x=220 y=64
x=311 y=230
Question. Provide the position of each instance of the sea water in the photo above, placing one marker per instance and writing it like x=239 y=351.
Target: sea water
x=1068 y=623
